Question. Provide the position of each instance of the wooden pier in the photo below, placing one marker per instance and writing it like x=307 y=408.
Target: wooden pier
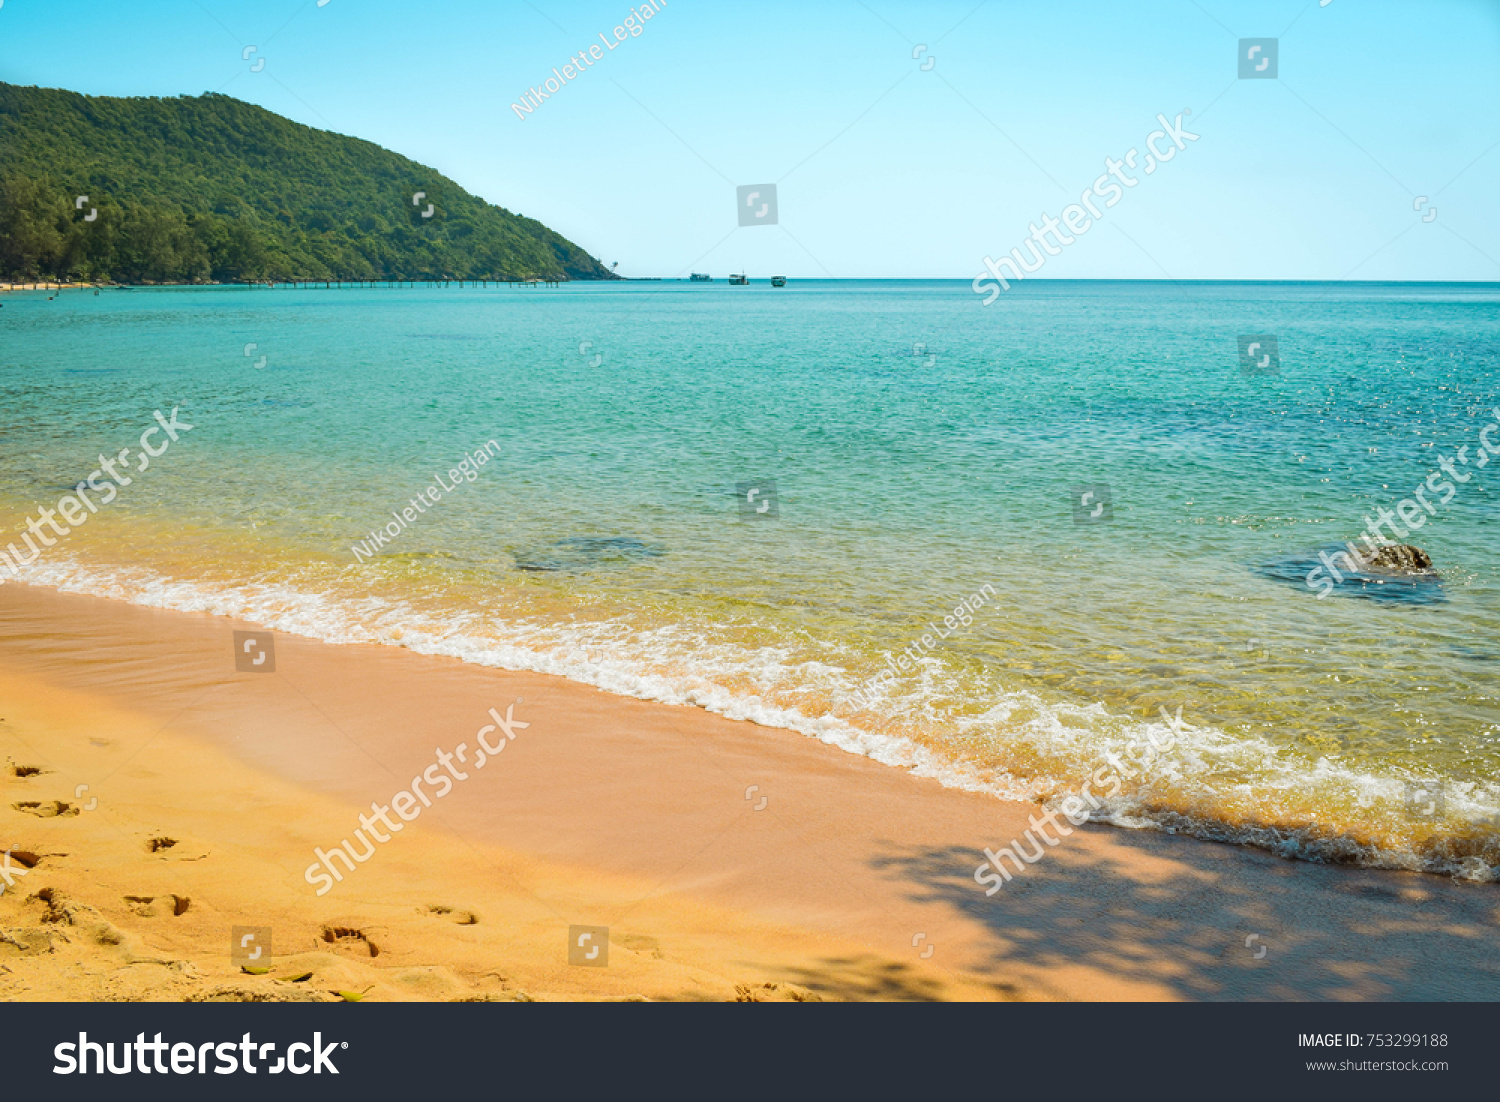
x=295 y=284
x=372 y=284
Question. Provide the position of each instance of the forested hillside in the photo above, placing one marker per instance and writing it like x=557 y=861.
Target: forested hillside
x=203 y=188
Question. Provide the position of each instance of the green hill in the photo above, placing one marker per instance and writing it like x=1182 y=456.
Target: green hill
x=203 y=188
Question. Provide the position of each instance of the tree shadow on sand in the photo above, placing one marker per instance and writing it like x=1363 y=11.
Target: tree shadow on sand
x=871 y=978
x=1208 y=921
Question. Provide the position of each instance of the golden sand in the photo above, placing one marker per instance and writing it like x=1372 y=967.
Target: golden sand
x=727 y=860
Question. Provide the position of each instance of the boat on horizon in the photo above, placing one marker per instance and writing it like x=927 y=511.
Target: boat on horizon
x=700 y=277
x=738 y=280
x=778 y=281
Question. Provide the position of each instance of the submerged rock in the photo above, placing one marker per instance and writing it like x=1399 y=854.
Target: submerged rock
x=580 y=553
x=1395 y=573
x=1399 y=558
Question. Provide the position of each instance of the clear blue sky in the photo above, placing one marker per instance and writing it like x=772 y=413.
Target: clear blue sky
x=884 y=169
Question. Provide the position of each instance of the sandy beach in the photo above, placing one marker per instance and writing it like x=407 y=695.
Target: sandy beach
x=47 y=286
x=156 y=798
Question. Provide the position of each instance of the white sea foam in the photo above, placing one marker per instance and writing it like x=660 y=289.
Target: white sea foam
x=1037 y=749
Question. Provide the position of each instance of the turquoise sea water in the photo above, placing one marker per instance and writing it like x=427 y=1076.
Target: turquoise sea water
x=921 y=448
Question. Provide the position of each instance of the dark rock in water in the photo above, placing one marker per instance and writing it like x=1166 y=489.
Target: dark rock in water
x=1399 y=558
x=579 y=553
x=1394 y=574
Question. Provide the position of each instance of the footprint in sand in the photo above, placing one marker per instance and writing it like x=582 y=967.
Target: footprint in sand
x=27 y=770
x=166 y=848
x=774 y=993
x=30 y=859
x=454 y=914
x=26 y=942
x=158 y=906
x=45 y=809
x=351 y=939
x=640 y=943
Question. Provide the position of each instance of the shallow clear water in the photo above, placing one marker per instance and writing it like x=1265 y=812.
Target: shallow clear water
x=921 y=449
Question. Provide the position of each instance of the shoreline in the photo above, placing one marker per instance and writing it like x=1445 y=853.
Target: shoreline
x=1460 y=849
x=51 y=285
x=720 y=854
x=80 y=285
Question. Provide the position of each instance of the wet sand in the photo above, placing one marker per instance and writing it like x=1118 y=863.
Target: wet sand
x=727 y=860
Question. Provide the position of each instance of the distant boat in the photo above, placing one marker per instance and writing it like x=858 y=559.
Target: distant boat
x=738 y=280
x=778 y=281
x=700 y=277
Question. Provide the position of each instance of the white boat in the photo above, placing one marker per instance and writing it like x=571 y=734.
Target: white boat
x=738 y=280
